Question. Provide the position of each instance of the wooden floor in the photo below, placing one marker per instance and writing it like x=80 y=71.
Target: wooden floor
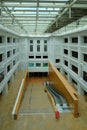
x=36 y=111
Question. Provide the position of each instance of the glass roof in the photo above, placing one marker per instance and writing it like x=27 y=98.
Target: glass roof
x=32 y=16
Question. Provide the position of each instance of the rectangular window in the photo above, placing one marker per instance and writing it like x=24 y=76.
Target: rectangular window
x=8 y=54
x=66 y=62
x=45 y=48
x=45 y=57
x=8 y=40
x=85 y=57
x=57 y=60
x=38 y=57
x=38 y=64
x=31 y=41
x=85 y=39
x=31 y=48
x=65 y=73
x=85 y=76
x=8 y=68
x=66 y=51
x=1 y=76
x=14 y=62
x=58 y=69
x=14 y=51
x=38 y=48
x=30 y=57
x=65 y=40
x=38 y=41
x=14 y=40
x=45 y=64
x=1 y=39
x=31 y=64
x=74 y=81
x=75 y=69
x=1 y=58
x=75 y=40
x=75 y=54
x=45 y=41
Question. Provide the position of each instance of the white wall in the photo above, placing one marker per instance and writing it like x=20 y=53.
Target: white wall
x=23 y=53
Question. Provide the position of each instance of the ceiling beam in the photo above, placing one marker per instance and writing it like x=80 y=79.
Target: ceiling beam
x=45 y=5
x=63 y=12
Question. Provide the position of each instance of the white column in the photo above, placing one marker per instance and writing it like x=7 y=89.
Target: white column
x=12 y=78
x=69 y=79
x=5 y=88
x=80 y=90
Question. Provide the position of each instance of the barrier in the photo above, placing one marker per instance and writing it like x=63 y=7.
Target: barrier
x=61 y=84
x=19 y=98
x=57 y=114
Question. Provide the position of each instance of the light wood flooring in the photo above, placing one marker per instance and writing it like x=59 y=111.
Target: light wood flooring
x=36 y=112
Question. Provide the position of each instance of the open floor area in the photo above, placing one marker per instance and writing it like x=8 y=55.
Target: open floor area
x=36 y=111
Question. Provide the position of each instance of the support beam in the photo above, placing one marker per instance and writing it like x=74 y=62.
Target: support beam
x=63 y=12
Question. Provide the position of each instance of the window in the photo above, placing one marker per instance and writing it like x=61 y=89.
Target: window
x=75 y=40
x=45 y=48
x=31 y=64
x=85 y=39
x=8 y=40
x=85 y=76
x=38 y=48
x=65 y=51
x=45 y=41
x=74 y=81
x=38 y=41
x=1 y=58
x=30 y=57
x=57 y=60
x=65 y=73
x=85 y=57
x=75 y=69
x=45 y=64
x=1 y=39
x=66 y=62
x=58 y=69
x=31 y=48
x=65 y=40
x=14 y=62
x=45 y=57
x=38 y=64
x=8 y=54
x=8 y=68
x=14 y=51
x=74 y=54
x=31 y=41
x=1 y=76
x=14 y=40
x=38 y=56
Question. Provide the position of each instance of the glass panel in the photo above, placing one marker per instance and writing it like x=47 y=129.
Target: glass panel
x=38 y=47
x=31 y=48
x=45 y=64
x=31 y=65
x=38 y=64
x=45 y=48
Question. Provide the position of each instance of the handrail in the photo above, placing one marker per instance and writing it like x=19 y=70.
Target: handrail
x=19 y=98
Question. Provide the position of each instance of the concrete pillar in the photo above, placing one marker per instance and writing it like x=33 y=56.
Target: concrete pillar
x=69 y=79
x=80 y=90
x=5 y=90
x=12 y=78
x=16 y=71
